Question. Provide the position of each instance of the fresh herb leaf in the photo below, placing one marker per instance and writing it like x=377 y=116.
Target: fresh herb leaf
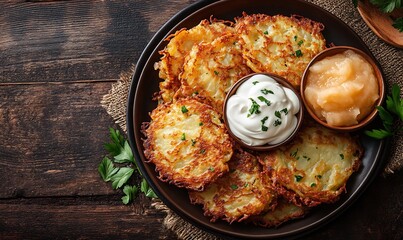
x=147 y=190
x=255 y=82
x=117 y=143
x=394 y=107
x=277 y=122
x=121 y=153
x=215 y=72
x=378 y=133
x=313 y=184
x=234 y=187
x=394 y=103
x=298 y=53
x=126 y=154
x=398 y=24
x=121 y=177
x=387 y=6
x=183 y=137
x=277 y=114
x=106 y=169
x=265 y=32
x=284 y=110
x=341 y=156
x=130 y=193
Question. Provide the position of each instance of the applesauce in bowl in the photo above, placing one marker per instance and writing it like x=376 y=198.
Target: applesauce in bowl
x=341 y=88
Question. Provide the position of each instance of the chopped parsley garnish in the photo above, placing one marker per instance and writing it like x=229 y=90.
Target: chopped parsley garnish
x=307 y=158
x=200 y=123
x=254 y=108
x=284 y=110
x=183 y=137
x=263 y=121
x=263 y=99
x=255 y=82
x=265 y=32
x=341 y=156
x=215 y=72
x=277 y=114
x=298 y=178
x=294 y=154
x=184 y=109
x=298 y=53
x=295 y=38
x=202 y=151
x=234 y=187
x=277 y=122
x=193 y=142
x=211 y=169
x=300 y=42
x=313 y=184
x=318 y=176
x=265 y=91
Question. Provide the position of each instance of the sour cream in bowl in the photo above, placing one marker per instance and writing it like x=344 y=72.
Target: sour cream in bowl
x=262 y=111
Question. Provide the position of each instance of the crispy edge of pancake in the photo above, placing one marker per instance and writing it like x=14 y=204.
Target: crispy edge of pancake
x=211 y=146
x=211 y=68
x=285 y=179
x=175 y=52
x=220 y=196
x=247 y=25
x=283 y=212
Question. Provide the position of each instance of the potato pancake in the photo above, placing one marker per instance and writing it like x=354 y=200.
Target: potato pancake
x=283 y=212
x=211 y=68
x=315 y=166
x=188 y=143
x=244 y=191
x=279 y=44
x=179 y=46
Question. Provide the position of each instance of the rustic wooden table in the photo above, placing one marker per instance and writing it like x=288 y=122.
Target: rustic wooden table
x=57 y=60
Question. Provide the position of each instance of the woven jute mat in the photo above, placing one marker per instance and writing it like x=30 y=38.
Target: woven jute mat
x=390 y=59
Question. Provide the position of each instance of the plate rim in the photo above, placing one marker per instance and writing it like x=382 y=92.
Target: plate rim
x=155 y=41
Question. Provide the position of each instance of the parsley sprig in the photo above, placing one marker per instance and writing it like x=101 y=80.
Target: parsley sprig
x=389 y=115
x=388 y=6
x=119 y=167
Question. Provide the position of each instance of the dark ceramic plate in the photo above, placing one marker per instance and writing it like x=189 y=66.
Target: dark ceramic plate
x=145 y=84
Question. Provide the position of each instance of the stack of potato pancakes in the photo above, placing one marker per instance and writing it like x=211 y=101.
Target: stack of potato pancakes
x=189 y=145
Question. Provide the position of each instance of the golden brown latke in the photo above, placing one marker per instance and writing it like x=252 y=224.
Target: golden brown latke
x=185 y=140
x=179 y=46
x=211 y=68
x=283 y=212
x=279 y=44
x=244 y=191
x=315 y=166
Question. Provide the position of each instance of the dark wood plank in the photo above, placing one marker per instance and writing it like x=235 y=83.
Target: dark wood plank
x=376 y=215
x=72 y=218
x=77 y=40
x=52 y=139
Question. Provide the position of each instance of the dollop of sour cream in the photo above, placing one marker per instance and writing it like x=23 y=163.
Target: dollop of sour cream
x=262 y=111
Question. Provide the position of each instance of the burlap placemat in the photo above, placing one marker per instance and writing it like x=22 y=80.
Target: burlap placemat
x=390 y=58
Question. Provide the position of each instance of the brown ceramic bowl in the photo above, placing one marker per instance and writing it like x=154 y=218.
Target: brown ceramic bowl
x=282 y=81
x=333 y=51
